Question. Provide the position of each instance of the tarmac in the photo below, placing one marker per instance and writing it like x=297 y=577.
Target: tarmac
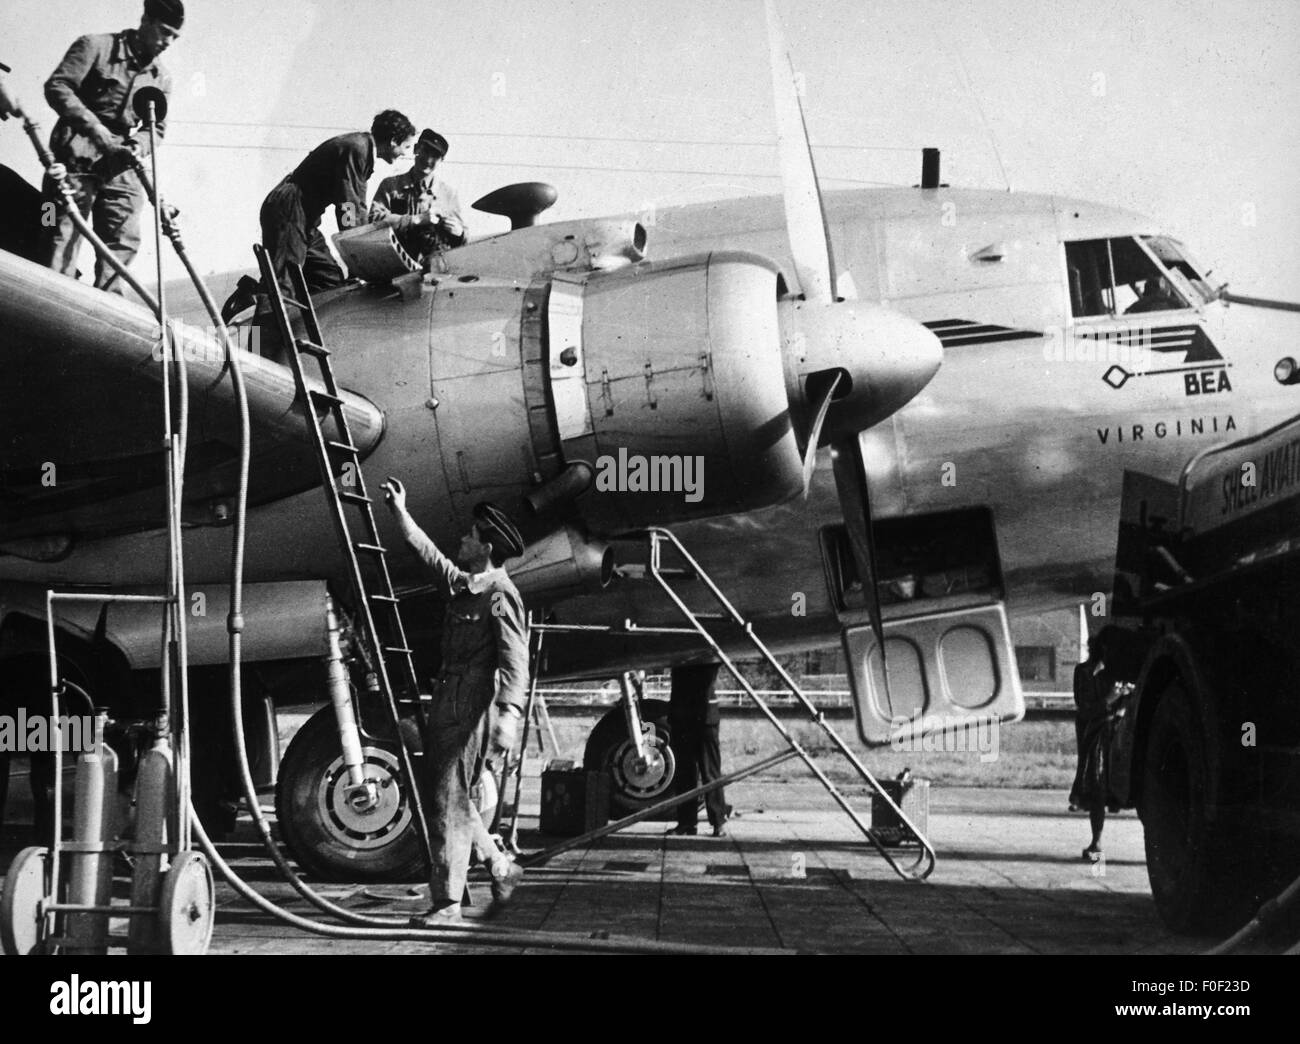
x=792 y=874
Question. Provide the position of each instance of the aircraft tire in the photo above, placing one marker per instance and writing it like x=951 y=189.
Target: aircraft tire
x=607 y=750
x=330 y=841
x=1196 y=882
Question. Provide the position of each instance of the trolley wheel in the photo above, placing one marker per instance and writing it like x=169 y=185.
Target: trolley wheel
x=187 y=905
x=26 y=887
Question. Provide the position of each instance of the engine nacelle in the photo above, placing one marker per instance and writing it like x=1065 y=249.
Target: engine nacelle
x=661 y=384
x=668 y=379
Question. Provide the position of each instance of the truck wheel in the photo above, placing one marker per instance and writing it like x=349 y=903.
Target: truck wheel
x=1188 y=850
x=330 y=840
x=632 y=786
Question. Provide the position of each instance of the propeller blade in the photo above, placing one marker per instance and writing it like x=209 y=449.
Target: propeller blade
x=814 y=435
x=805 y=218
x=855 y=502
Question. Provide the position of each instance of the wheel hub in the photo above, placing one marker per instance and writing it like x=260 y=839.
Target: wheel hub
x=366 y=817
x=643 y=777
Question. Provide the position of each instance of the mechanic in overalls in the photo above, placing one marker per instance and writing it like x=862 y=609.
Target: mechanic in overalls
x=484 y=666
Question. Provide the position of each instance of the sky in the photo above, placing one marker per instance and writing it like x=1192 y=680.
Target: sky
x=1185 y=110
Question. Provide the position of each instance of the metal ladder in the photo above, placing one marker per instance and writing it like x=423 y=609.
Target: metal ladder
x=657 y=539
x=377 y=607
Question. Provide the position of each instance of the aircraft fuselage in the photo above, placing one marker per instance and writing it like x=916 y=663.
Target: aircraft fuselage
x=1035 y=413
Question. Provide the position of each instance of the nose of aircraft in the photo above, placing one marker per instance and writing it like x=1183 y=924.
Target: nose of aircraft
x=883 y=359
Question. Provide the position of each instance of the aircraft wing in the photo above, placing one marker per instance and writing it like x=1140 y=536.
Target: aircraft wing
x=81 y=418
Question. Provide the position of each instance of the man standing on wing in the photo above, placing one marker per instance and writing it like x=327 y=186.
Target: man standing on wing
x=484 y=665
x=335 y=173
x=92 y=91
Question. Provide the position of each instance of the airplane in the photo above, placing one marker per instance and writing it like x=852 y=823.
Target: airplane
x=793 y=343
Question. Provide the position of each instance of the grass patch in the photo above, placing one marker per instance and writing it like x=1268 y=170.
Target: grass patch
x=1036 y=754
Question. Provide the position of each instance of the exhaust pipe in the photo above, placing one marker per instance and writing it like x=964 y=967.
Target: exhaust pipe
x=566 y=487
x=564 y=563
x=614 y=244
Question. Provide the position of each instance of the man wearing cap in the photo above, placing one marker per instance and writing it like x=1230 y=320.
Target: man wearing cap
x=92 y=91
x=421 y=209
x=484 y=666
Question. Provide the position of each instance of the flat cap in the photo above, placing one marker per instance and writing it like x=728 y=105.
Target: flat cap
x=500 y=532
x=169 y=12
x=431 y=139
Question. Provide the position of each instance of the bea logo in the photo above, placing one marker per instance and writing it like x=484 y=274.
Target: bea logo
x=1206 y=382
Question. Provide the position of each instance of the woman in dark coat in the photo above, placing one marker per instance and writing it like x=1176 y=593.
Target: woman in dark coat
x=1092 y=685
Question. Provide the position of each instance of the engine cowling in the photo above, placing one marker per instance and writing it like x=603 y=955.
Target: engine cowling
x=659 y=388
x=668 y=379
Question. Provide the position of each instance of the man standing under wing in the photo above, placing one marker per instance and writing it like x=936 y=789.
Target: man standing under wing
x=484 y=664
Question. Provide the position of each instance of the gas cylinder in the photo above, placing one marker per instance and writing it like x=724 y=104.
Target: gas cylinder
x=90 y=855
x=155 y=801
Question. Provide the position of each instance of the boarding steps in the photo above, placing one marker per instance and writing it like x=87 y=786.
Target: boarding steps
x=708 y=627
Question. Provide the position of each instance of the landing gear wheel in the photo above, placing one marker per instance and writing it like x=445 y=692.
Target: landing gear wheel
x=26 y=887
x=634 y=784
x=331 y=838
x=1189 y=852
x=187 y=906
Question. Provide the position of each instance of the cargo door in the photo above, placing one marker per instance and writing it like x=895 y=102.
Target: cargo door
x=952 y=666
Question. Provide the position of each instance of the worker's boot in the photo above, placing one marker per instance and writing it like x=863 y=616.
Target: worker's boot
x=438 y=916
x=506 y=875
x=244 y=297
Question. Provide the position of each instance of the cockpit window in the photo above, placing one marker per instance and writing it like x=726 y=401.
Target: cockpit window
x=1112 y=277
x=1173 y=255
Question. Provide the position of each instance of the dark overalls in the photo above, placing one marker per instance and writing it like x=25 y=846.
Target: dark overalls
x=335 y=173
x=484 y=661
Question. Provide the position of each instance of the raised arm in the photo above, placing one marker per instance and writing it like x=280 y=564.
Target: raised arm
x=451 y=577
